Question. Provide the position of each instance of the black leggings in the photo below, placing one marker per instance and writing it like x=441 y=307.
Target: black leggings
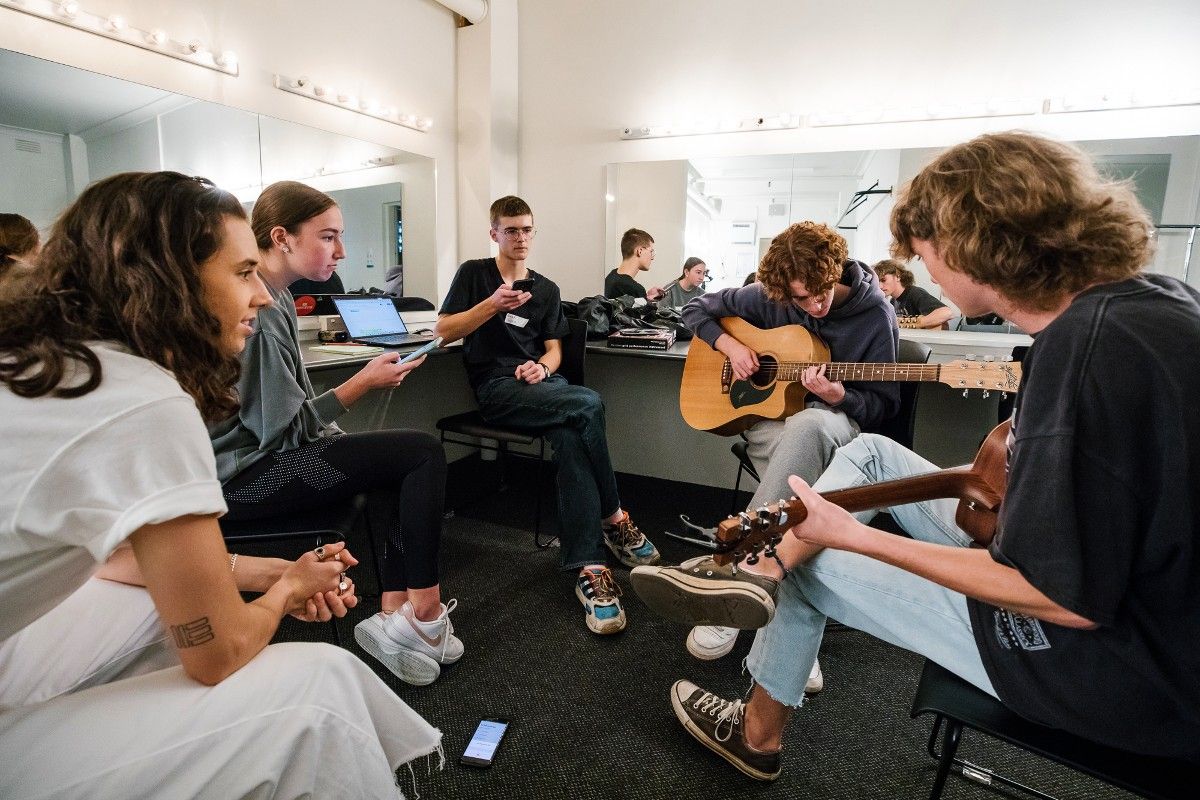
x=403 y=474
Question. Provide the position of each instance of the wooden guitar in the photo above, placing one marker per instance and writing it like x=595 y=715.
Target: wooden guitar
x=979 y=488
x=711 y=399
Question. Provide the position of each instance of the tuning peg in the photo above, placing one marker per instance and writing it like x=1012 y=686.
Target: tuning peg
x=965 y=392
x=752 y=558
x=1003 y=396
x=985 y=394
x=971 y=357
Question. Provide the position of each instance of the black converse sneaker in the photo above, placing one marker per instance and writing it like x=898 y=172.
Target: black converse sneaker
x=718 y=725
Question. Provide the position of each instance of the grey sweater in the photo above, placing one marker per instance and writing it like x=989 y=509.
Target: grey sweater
x=678 y=297
x=862 y=329
x=278 y=408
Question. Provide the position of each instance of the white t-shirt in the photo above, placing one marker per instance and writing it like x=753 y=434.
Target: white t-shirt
x=78 y=476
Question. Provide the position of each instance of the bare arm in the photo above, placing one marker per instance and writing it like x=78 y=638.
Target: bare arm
x=252 y=574
x=452 y=327
x=382 y=372
x=935 y=318
x=970 y=571
x=186 y=571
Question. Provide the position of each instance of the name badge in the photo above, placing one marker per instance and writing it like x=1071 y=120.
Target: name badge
x=513 y=319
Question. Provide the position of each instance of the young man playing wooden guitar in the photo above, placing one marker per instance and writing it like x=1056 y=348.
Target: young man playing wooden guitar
x=1083 y=612
x=805 y=279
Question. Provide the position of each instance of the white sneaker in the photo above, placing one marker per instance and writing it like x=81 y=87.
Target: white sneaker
x=816 y=680
x=709 y=642
x=407 y=664
x=434 y=638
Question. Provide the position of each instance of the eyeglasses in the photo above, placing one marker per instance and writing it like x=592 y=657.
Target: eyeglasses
x=513 y=234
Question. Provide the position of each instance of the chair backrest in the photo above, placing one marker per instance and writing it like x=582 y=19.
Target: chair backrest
x=574 y=347
x=900 y=427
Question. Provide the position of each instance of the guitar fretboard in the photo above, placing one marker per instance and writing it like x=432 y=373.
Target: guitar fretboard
x=791 y=370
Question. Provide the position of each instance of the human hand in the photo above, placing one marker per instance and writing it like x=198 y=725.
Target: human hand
x=813 y=379
x=318 y=572
x=505 y=298
x=386 y=372
x=654 y=294
x=531 y=372
x=826 y=524
x=743 y=360
x=324 y=606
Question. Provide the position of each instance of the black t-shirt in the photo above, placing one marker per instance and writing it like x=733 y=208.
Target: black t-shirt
x=508 y=339
x=915 y=301
x=618 y=285
x=1102 y=514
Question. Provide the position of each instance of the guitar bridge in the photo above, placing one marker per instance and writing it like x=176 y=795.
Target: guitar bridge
x=726 y=377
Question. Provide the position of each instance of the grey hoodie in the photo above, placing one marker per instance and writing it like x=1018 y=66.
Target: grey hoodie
x=862 y=329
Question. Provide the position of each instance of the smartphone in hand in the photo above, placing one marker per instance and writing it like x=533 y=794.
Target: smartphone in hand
x=420 y=351
x=523 y=285
x=481 y=750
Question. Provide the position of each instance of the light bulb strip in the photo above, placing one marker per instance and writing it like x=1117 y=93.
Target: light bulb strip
x=306 y=87
x=774 y=122
x=69 y=13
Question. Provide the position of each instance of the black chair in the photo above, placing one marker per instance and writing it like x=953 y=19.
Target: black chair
x=476 y=431
x=314 y=527
x=957 y=704
x=899 y=427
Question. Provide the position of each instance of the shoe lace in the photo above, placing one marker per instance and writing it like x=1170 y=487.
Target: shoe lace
x=603 y=585
x=626 y=533
x=726 y=713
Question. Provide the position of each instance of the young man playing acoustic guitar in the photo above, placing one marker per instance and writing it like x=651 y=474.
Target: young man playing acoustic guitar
x=1082 y=613
x=805 y=279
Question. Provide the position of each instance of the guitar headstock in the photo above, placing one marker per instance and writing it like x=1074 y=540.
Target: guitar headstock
x=989 y=375
x=750 y=532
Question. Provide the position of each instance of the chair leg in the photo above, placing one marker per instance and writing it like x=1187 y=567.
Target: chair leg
x=537 y=522
x=950 y=741
x=737 y=486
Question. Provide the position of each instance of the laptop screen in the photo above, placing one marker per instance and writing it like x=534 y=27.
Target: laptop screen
x=369 y=316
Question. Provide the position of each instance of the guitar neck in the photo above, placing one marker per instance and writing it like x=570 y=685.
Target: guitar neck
x=844 y=371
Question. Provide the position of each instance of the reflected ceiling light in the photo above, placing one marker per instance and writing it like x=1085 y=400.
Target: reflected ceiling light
x=1119 y=100
x=71 y=14
x=368 y=107
x=996 y=107
x=702 y=127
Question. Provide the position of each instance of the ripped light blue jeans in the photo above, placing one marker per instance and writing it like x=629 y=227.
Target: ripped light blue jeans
x=885 y=601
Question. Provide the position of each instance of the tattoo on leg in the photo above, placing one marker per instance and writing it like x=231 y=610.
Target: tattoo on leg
x=193 y=633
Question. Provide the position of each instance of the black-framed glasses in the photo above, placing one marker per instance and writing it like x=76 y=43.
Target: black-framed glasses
x=513 y=234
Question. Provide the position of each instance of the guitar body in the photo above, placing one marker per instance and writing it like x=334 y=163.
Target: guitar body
x=711 y=399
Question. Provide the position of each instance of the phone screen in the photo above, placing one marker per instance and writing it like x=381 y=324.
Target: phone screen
x=525 y=285
x=482 y=747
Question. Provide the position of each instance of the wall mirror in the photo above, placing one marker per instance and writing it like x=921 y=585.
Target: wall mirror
x=705 y=207
x=62 y=128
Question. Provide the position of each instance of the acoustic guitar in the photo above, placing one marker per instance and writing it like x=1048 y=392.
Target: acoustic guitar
x=711 y=399
x=979 y=488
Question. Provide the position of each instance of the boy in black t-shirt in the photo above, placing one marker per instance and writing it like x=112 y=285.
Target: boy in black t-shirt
x=1083 y=612
x=637 y=254
x=899 y=284
x=512 y=350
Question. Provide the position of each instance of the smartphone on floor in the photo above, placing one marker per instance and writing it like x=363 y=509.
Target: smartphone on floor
x=481 y=750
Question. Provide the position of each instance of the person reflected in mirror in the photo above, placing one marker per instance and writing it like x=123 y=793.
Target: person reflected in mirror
x=807 y=279
x=637 y=254
x=283 y=452
x=919 y=308
x=1087 y=590
x=688 y=286
x=19 y=242
x=130 y=665
x=512 y=349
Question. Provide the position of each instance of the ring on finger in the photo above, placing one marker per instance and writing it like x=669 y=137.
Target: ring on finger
x=319 y=552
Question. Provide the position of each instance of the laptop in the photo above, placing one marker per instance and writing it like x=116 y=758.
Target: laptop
x=374 y=320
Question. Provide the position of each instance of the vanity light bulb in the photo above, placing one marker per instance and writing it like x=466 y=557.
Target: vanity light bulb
x=320 y=91
x=195 y=46
x=344 y=98
x=389 y=112
x=407 y=119
x=425 y=124
x=369 y=106
x=115 y=23
x=68 y=8
x=157 y=37
x=228 y=59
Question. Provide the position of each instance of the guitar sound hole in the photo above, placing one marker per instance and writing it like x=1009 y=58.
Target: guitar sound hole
x=768 y=370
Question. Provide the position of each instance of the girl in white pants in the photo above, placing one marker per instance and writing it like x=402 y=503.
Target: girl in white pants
x=130 y=666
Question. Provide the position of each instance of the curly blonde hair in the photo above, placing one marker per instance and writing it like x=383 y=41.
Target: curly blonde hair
x=1026 y=215
x=809 y=252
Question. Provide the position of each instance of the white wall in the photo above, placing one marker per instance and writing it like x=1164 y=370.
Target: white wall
x=651 y=196
x=401 y=51
x=34 y=164
x=588 y=70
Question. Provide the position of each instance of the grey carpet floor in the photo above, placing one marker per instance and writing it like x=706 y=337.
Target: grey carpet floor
x=590 y=715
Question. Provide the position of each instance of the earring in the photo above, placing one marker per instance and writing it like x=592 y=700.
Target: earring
x=287 y=249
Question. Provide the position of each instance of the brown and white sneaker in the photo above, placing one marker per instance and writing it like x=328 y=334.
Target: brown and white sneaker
x=699 y=592
x=718 y=725
x=629 y=544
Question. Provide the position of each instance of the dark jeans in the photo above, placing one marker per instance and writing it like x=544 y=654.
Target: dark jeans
x=574 y=416
x=403 y=474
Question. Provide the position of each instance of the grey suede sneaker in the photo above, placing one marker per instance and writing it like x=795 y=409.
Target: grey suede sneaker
x=698 y=592
x=717 y=724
